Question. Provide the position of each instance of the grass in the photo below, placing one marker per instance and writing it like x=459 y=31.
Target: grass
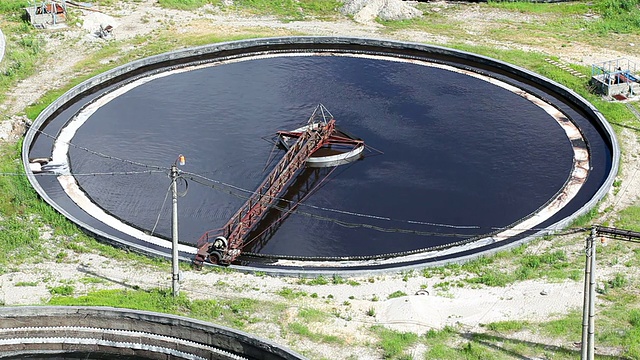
x=628 y=218
x=187 y=4
x=238 y=313
x=303 y=330
x=289 y=10
x=23 y=48
x=562 y=24
x=393 y=343
x=291 y=294
x=397 y=294
x=312 y=315
x=508 y=326
x=62 y=290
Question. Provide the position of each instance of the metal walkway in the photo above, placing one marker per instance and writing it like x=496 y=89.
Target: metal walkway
x=226 y=245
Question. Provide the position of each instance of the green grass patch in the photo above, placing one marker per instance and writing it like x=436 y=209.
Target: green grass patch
x=397 y=294
x=237 y=313
x=618 y=16
x=492 y=277
x=62 y=290
x=9 y=7
x=628 y=218
x=430 y=22
x=312 y=315
x=568 y=327
x=22 y=53
x=18 y=239
x=27 y=283
x=551 y=265
x=304 y=331
x=615 y=16
x=159 y=300
x=508 y=326
x=572 y=8
x=291 y=9
x=320 y=280
x=92 y=280
x=284 y=9
x=290 y=294
x=468 y=351
x=393 y=343
x=187 y=4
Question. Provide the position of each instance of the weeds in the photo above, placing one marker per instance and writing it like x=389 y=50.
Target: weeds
x=63 y=290
x=312 y=315
x=393 y=343
x=397 y=294
x=290 y=294
x=303 y=330
x=508 y=326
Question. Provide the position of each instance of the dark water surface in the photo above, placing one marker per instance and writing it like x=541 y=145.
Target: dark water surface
x=456 y=151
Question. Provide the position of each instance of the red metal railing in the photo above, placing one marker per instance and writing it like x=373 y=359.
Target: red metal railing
x=250 y=214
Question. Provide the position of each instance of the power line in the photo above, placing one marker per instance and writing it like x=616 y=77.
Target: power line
x=112 y=173
x=344 y=212
x=347 y=224
x=161 y=208
x=161 y=169
x=97 y=153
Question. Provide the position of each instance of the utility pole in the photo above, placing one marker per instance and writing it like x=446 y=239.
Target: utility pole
x=588 y=309
x=592 y=296
x=175 y=276
x=585 y=305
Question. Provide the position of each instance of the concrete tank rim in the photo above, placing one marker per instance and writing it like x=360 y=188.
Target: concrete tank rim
x=162 y=318
x=2 y=45
x=302 y=40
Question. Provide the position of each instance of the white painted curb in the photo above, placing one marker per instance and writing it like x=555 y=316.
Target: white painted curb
x=1 y=45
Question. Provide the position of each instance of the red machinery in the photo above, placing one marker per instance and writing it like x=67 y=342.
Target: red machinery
x=225 y=245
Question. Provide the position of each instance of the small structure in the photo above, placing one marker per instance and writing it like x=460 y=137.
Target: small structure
x=617 y=79
x=105 y=31
x=46 y=13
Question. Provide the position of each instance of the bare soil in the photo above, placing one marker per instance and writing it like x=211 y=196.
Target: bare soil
x=468 y=307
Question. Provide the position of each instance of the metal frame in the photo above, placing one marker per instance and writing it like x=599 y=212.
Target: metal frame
x=254 y=209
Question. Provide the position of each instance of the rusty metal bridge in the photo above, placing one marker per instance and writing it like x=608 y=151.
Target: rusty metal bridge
x=224 y=245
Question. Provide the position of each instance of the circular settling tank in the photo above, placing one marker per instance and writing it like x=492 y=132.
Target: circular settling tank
x=96 y=333
x=464 y=154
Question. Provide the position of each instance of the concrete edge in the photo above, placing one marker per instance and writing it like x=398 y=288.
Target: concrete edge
x=152 y=323
x=2 y=45
x=221 y=49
